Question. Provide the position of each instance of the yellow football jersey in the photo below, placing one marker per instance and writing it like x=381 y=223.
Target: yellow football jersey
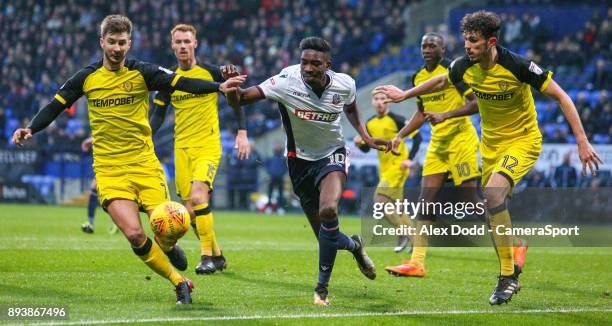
x=387 y=127
x=118 y=105
x=445 y=100
x=503 y=94
x=196 y=115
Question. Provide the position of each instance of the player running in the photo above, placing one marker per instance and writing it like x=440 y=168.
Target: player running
x=129 y=174
x=311 y=98
x=197 y=146
x=511 y=140
x=394 y=168
x=452 y=151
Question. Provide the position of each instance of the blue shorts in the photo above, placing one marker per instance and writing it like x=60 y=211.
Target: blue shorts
x=306 y=176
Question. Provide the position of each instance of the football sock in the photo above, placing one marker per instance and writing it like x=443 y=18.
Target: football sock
x=420 y=244
x=328 y=247
x=153 y=256
x=92 y=204
x=204 y=222
x=345 y=242
x=216 y=249
x=398 y=220
x=503 y=243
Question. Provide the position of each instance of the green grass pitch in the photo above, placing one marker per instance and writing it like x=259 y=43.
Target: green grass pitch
x=46 y=260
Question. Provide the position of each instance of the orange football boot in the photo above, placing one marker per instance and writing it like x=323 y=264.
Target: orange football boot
x=407 y=268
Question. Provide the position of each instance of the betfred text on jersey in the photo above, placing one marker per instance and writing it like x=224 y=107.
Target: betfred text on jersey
x=316 y=116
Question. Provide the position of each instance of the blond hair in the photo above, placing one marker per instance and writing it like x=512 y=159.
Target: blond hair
x=184 y=28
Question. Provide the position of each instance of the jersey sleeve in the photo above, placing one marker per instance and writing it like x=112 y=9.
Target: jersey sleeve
x=413 y=81
x=215 y=71
x=72 y=89
x=352 y=95
x=399 y=120
x=157 y=78
x=162 y=98
x=456 y=70
x=533 y=75
x=274 y=87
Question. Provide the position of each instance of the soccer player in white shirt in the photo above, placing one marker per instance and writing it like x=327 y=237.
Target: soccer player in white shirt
x=311 y=99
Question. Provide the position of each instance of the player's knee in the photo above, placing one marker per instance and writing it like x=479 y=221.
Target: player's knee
x=199 y=196
x=135 y=236
x=328 y=212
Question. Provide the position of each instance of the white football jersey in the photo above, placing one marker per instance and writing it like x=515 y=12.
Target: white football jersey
x=312 y=124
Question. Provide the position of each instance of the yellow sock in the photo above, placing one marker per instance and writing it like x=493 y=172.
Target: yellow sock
x=420 y=242
x=398 y=220
x=154 y=257
x=204 y=222
x=216 y=249
x=503 y=243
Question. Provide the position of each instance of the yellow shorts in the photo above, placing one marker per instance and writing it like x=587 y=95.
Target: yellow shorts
x=391 y=184
x=513 y=158
x=195 y=163
x=142 y=182
x=459 y=159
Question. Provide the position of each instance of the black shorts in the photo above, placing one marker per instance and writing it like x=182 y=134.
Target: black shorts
x=306 y=175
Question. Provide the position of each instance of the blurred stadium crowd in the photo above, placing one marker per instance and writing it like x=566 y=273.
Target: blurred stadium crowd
x=43 y=42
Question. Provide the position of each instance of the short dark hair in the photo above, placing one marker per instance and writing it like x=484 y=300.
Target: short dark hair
x=439 y=36
x=115 y=24
x=486 y=23
x=315 y=43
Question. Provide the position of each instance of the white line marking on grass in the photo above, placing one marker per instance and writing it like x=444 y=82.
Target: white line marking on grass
x=338 y=315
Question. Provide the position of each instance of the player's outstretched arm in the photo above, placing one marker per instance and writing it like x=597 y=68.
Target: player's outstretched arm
x=588 y=155
x=355 y=119
x=41 y=120
x=470 y=107
x=248 y=96
x=396 y=95
x=201 y=86
x=415 y=122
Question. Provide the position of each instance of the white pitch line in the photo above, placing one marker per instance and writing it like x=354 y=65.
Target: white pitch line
x=338 y=315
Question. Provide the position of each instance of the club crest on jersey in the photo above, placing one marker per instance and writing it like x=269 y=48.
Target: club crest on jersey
x=503 y=85
x=336 y=99
x=128 y=86
x=271 y=80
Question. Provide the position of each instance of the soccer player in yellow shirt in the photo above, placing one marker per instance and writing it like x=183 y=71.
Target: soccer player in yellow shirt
x=511 y=140
x=197 y=146
x=452 y=151
x=128 y=173
x=394 y=168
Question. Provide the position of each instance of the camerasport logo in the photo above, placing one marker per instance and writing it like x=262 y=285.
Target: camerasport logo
x=316 y=115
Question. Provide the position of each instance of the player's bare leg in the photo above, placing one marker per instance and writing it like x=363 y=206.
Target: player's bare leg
x=124 y=214
x=92 y=204
x=331 y=239
x=211 y=258
x=396 y=220
x=430 y=186
x=496 y=191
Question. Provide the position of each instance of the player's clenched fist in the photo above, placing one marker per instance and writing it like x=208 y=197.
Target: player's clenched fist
x=21 y=134
x=228 y=71
x=378 y=144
